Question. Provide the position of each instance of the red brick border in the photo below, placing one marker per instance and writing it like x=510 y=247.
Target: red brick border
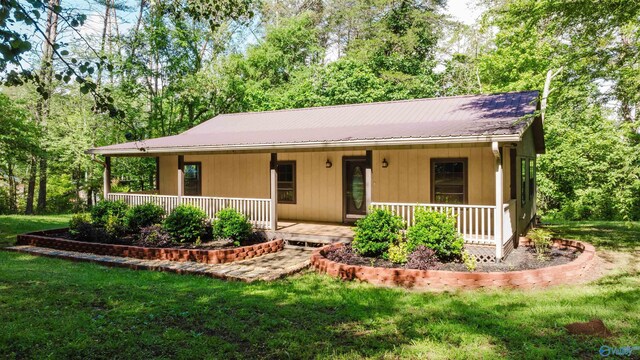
x=47 y=239
x=447 y=280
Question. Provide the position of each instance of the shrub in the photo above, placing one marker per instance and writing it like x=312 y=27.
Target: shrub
x=85 y=231
x=376 y=232
x=541 y=240
x=77 y=221
x=230 y=224
x=398 y=252
x=101 y=211
x=143 y=215
x=469 y=260
x=437 y=231
x=115 y=227
x=185 y=223
x=422 y=258
x=153 y=235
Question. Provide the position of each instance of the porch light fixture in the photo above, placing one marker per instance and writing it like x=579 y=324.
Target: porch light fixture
x=385 y=164
x=328 y=164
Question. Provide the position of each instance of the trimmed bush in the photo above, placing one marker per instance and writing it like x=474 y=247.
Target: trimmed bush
x=77 y=222
x=186 y=223
x=115 y=227
x=153 y=235
x=376 y=232
x=398 y=252
x=422 y=258
x=230 y=224
x=436 y=231
x=101 y=211
x=143 y=215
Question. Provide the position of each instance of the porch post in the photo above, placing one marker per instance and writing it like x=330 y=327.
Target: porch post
x=498 y=216
x=273 y=166
x=368 y=178
x=106 y=177
x=180 y=178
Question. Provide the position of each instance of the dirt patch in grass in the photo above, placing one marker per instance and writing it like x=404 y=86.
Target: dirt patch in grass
x=522 y=258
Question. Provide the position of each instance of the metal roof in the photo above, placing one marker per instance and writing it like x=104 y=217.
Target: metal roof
x=457 y=119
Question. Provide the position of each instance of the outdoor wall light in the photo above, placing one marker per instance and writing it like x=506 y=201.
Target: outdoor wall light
x=328 y=164
x=385 y=163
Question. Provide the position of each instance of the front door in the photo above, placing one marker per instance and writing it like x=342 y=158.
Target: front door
x=354 y=187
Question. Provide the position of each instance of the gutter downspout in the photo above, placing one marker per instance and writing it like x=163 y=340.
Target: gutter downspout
x=499 y=216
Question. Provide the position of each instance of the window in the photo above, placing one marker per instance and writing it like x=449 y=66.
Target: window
x=532 y=178
x=449 y=181
x=523 y=181
x=287 y=182
x=192 y=179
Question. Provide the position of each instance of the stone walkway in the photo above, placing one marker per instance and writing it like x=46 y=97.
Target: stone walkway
x=267 y=267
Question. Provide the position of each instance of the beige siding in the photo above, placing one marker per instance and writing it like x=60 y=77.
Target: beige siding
x=227 y=175
x=319 y=190
x=319 y=195
x=407 y=179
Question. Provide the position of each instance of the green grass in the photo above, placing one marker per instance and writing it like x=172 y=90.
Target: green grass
x=53 y=308
x=611 y=235
x=11 y=225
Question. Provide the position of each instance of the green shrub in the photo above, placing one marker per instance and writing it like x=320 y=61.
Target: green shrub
x=230 y=224
x=469 y=260
x=376 y=232
x=85 y=231
x=77 y=221
x=115 y=227
x=398 y=252
x=101 y=211
x=436 y=231
x=186 y=223
x=143 y=215
x=541 y=240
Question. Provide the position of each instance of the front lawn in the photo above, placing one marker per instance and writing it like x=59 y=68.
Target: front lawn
x=11 y=225
x=60 y=309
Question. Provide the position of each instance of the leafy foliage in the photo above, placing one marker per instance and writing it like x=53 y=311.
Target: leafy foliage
x=185 y=223
x=541 y=239
x=469 y=261
x=422 y=258
x=231 y=224
x=153 y=235
x=106 y=209
x=376 y=232
x=343 y=254
x=398 y=252
x=436 y=231
x=144 y=215
x=77 y=221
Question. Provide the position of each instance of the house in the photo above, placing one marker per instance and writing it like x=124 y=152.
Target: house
x=471 y=156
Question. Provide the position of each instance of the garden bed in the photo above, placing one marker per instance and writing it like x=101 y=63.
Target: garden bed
x=573 y=263
x=522 y=258
x=54 y=239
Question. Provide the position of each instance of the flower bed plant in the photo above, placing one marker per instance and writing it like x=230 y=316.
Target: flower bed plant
x=113 y=222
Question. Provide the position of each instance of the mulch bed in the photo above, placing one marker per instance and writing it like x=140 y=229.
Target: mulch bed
x=205 y=245
x=522 y=258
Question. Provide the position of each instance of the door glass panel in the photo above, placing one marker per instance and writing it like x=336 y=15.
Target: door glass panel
x=192 y=179
x=357 y=187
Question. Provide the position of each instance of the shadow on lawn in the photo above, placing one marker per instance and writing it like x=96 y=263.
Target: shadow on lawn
x=619 y=236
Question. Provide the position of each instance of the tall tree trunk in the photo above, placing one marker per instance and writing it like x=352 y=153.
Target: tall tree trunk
x=46 y=76
x=103 y=42
x=13 y=203
x=31 y=187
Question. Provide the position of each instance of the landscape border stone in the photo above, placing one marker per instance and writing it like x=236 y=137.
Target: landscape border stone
x=48 y=239
x=450 y=280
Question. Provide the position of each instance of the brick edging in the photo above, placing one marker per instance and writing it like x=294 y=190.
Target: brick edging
x=48 y=240
x=446 y=280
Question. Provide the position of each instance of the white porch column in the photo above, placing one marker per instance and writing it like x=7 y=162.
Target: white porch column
x=368 y=179
x=273 y=166
x=106 y=177
x=498 y=217
x=180 y=178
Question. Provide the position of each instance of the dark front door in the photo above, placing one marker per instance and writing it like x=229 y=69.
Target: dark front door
x=354 y=188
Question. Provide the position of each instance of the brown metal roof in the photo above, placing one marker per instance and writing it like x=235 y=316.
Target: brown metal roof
x=473 y=118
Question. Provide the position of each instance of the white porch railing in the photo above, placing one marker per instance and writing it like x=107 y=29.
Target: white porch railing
x=474 y=222
x=256 y=210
